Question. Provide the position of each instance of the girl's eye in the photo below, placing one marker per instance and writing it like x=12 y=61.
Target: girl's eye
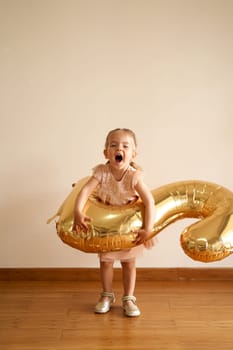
x=126 y=146
x=113 y=145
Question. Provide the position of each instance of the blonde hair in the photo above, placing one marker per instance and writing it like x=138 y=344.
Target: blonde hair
x=130 y=133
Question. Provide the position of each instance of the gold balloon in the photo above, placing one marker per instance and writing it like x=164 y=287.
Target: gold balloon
x=210 y=239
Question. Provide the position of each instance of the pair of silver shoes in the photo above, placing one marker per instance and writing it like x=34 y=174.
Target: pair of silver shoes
x=129 y=304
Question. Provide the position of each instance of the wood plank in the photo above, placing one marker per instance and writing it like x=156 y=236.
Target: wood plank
x=58 y=315
x=92 y=274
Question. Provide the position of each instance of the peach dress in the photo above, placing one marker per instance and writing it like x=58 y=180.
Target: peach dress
x=113 y=192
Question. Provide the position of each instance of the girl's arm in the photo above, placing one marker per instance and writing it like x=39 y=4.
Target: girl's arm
x=149 y=217
x=79 y=218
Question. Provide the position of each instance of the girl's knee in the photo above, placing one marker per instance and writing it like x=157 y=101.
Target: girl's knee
x=128 y=264
x=107 y=264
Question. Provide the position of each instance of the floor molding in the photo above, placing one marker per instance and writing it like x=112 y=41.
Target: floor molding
x=92 y=274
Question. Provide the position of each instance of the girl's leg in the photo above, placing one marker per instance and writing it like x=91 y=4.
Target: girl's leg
x=107 y=296
x=106 y=275
x=129 y=280
x=129 y=276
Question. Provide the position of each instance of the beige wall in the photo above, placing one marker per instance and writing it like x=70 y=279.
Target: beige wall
x=72 y=70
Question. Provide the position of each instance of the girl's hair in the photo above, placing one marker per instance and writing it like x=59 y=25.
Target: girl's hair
x=130 y=133
x=127 y=131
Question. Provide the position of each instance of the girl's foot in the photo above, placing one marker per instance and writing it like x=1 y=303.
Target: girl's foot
x=129 y=306
x=105 y=302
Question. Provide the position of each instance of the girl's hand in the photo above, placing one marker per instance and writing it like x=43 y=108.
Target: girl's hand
x=81 y=223
x=142 y=236
x=149 y=244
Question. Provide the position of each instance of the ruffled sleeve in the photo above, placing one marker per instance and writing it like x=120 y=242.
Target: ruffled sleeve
x=137 y=176
x=98 y=172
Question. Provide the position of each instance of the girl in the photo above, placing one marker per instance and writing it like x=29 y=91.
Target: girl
x=118 y=182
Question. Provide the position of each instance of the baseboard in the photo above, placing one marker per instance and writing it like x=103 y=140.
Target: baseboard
x=92 y=274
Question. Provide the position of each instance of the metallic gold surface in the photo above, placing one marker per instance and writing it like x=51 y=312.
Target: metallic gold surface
x=210 y=239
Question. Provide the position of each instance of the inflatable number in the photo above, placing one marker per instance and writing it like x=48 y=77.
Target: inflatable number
x=209 y=239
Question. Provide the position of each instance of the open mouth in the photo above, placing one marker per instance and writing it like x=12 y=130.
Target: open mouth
x=119 y=158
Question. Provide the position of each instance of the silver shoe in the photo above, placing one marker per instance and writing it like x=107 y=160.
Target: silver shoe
x=130 y=310
x=104 y=306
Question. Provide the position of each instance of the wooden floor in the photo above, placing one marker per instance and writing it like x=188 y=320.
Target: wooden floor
x=57 y=315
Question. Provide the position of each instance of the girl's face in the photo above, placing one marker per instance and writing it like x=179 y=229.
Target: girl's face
x=120 y=149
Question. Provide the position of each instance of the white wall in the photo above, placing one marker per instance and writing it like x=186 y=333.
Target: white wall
x=70 y=71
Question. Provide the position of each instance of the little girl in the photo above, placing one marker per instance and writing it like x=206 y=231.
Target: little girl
x=118 y=182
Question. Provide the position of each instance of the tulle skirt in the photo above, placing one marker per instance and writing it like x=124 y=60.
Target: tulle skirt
x=122 y=255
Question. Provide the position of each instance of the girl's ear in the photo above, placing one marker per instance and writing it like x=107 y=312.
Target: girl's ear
x=134 y=154
x=105 y=154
